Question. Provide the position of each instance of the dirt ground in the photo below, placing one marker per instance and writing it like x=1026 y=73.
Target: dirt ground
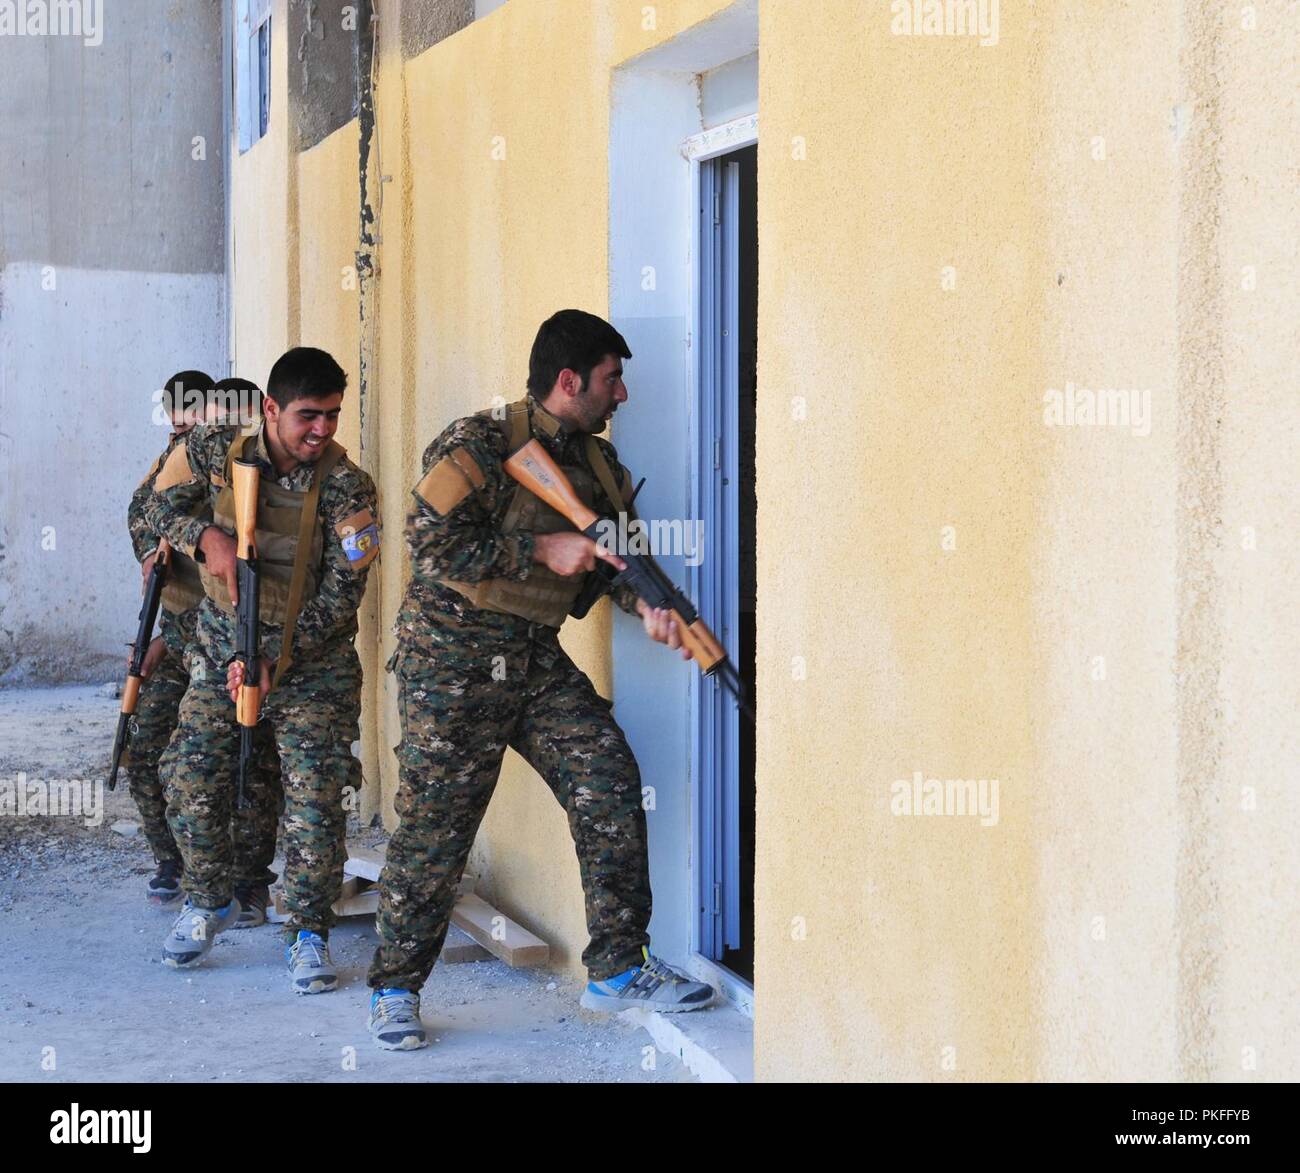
x=84 y=997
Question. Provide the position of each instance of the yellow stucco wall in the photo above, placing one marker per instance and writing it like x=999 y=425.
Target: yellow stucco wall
x=478 y=250
x=1105 y=926
x=1126 y=917
x=264 y=285
x=295 y=286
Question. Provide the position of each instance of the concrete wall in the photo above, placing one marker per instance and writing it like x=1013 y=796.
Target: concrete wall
x=111 y=262
x=1076 y=612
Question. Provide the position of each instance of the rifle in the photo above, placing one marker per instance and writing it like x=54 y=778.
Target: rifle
x=245 y=478
x=533 y=468
x=153 y=589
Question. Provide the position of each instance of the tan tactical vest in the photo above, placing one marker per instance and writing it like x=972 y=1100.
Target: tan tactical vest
x=286 y=520
x=544 y=596
x=183 y=588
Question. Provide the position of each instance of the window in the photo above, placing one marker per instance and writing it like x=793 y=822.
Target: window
x=252 y=70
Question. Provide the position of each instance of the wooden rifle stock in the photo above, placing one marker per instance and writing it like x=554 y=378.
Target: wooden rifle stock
x=245 y=479
x=531 y=465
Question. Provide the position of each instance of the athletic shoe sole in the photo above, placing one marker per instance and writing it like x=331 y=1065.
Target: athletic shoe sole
x=320 y=985
x=605 y=1004
x=407 y=1043
x=164 y=901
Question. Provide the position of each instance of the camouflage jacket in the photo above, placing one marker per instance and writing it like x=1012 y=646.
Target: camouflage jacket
x=144 y=541
x=467 y=544
x=326 y=619
x=176 y=630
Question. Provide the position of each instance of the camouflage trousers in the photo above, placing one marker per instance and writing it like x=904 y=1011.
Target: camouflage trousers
x=254 y=829
x=313 y=717
x=461 y=704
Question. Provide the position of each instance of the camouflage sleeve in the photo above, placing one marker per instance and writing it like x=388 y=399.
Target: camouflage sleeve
x=143 y=539
x=453 y=528
x=180 y=487
x=349 y=514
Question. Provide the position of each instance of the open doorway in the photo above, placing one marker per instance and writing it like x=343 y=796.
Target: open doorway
x=682 y=116
x=727 y=388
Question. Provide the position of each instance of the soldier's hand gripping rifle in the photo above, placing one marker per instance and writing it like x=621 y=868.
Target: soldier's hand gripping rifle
x=245 y=478
x=153 y=589
x=533 y=468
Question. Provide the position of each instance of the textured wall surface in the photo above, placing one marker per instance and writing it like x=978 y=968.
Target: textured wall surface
x=1094 y=617
x=111 y=260
x=1097 y=639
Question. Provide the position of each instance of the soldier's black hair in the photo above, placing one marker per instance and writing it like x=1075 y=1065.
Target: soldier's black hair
x=247 y=396
x=305 y=373
x=571 y=340
x=174 y=389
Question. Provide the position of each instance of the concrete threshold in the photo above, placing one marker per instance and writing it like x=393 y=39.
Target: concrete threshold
x=716 y=1045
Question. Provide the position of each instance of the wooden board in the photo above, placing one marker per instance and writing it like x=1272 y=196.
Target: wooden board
x=498 y=934
x=366 y=862
x=460 y=948
x=362 y=904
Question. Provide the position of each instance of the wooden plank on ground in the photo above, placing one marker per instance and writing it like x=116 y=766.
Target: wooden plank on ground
x=497 y=933
x=460 y=947
x=362 y=904
x=366 y=862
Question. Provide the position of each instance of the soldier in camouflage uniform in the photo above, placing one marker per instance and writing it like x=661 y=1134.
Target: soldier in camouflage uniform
x=480 y=667
x=166 y=678
x=317 y=526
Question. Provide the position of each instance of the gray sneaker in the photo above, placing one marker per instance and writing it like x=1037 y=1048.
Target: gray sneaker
x=310 y=966
x=652 y=985
x=194 y=932
x=395 y=1020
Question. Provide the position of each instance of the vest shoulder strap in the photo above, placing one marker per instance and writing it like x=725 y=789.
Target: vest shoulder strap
x=298 y=576
x=600 y=466
x=516 y=421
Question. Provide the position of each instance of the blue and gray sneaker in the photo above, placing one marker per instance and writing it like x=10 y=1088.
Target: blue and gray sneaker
x=653 y=985
x=191 y=937
x=395 y=1020
x=310 y=966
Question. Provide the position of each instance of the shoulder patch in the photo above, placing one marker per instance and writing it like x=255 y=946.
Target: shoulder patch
x=450 y=481
x=360 y=537
x=176 y=469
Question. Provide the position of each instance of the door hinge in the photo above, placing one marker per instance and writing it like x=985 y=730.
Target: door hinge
x=717 y=452
x=717 y=899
